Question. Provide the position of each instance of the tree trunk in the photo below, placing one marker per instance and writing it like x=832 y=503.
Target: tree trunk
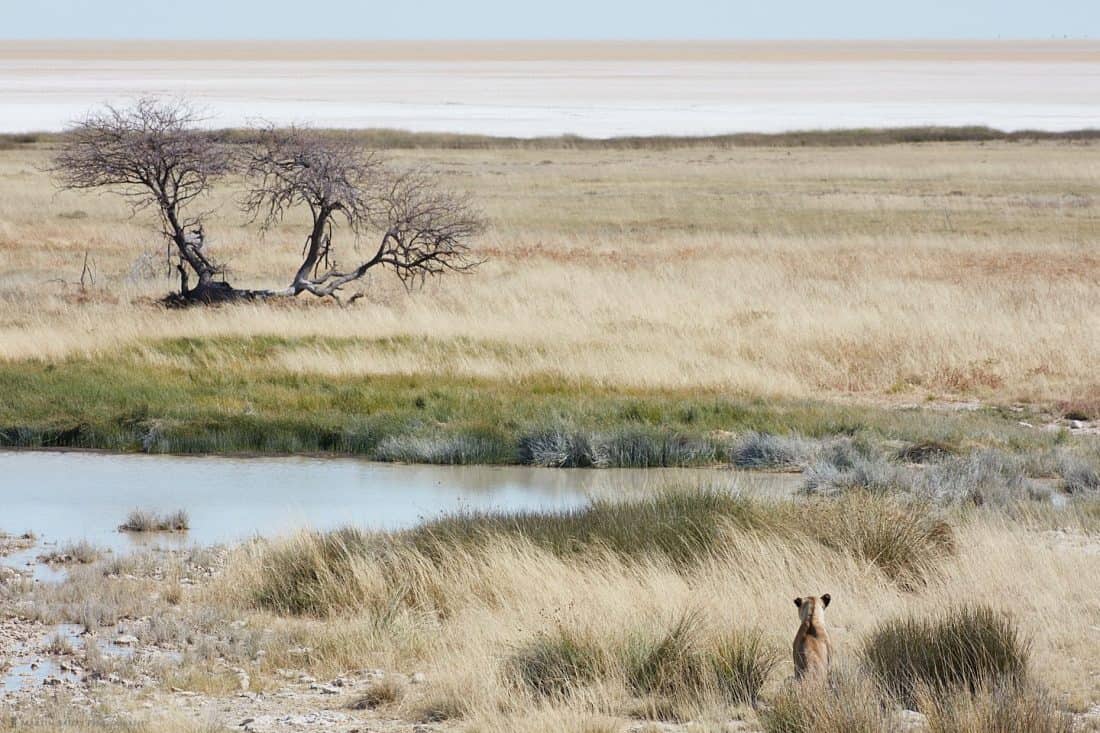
x=313 y=253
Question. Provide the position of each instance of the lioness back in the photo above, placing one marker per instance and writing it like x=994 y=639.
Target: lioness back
x=811 y=643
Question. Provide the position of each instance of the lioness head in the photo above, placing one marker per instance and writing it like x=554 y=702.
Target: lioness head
x=812 y=606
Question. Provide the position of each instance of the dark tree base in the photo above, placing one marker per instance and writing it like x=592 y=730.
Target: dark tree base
x=214 y=293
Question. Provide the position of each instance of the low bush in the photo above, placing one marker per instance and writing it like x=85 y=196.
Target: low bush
x=926 y=451
x=982 y=478
x=965 y=648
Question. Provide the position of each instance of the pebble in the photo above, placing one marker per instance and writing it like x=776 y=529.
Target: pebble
x=911 y=720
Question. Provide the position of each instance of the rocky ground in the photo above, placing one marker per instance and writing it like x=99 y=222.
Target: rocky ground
x=125 y=668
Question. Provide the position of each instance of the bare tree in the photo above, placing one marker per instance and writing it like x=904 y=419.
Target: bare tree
x=421 y=230
x=153 y=154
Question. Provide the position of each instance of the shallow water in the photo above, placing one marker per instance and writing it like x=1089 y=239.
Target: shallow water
x=31 y=668
x=70 y=496
x=600 y=97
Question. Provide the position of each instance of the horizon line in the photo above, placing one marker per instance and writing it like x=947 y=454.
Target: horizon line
x=622 y=39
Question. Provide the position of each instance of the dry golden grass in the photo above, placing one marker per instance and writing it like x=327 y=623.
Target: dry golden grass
x=903 y=271
x=460 y=620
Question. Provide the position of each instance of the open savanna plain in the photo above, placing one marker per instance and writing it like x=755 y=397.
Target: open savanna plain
x=911 y=326
x=696 y=288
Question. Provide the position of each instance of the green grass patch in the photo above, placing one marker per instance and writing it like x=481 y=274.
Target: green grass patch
x=228 y=395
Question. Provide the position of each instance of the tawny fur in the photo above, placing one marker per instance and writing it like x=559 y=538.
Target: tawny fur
x=811 y=644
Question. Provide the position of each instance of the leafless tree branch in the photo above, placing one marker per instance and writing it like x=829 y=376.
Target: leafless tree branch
x=153 y=154
x=421 y=230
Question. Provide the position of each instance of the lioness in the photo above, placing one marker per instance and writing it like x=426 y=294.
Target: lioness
x=811 y=643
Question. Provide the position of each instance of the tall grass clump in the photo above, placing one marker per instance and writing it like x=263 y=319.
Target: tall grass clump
x=459 y=449
x=766 y=451
x=983 y=478
x=557 y=448
x=310 y=574
x=81 y=552
x=682 y=525
x=625 y=447
x=556 y=662
x=965 y=648
x=850 y=703
x=907 y=541
x=320 y=573
x=1003 y=707
x=680 y=663
x=1079 y=476
x=141 y=520
x=638 y=447
x=671 y=665
x=857 y=473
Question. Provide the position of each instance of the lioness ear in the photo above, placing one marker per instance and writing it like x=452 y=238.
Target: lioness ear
x=825 y=599
x=798 y=602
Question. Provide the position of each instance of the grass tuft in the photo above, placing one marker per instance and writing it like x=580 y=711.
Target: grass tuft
x=81 y=553
x=1079 y=476
x=665 y=666
x=380 y=692
x=680 y=663
x=983 y=478
x=848 y=704
x=311 y=573
x=141 y=520
x=964 y=648
x=458 y=449
x=556 y=662
x=1003 y=707
x=766 y=451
